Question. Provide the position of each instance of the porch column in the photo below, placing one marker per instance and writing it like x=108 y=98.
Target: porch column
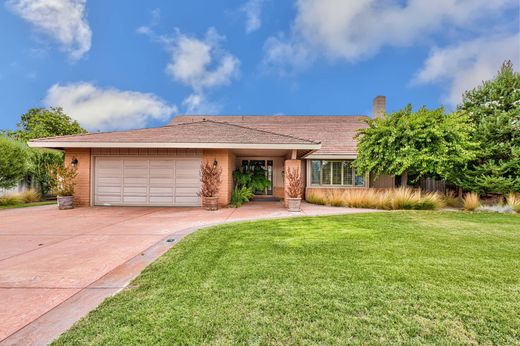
x=290 y=164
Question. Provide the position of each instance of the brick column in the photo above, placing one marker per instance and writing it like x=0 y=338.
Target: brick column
x=290 y=164
x=226 y=161
x=83 y=181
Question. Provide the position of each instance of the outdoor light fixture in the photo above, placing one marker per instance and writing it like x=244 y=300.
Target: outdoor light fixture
x=215 y=163
x=74 y=162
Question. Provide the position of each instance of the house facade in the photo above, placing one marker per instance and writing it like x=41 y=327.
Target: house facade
x=160 y=166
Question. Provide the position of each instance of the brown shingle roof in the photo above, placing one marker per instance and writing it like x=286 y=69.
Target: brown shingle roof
x=194 y=131
x=336 y=133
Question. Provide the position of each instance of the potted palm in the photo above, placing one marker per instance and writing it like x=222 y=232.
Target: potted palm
x=63 y=181
x=210 y=178
x=294 y=189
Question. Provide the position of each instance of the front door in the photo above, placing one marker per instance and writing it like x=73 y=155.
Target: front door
x=267 y=167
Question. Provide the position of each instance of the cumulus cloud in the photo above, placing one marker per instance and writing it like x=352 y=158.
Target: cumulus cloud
x=356 y=29
x=98 y=108
x=253 y=11
x=62 y=20
x=202 y=65
x=466 y=65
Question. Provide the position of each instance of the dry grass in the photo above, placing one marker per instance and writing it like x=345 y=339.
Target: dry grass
x=10 y=199
x=391 y=199
x=471 y=201
x=29 y=196
x=452 y=200
x=513 y=200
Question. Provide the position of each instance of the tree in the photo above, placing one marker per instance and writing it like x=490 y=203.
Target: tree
x=422 y=143
x=13 y=162
x=39 y=123
x=494 y=108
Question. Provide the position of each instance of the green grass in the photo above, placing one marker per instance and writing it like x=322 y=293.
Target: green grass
x=384 y=278
x=25 y=205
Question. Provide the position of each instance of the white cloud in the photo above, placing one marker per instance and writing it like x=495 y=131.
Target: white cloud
x=466 y=65
x=202 y=65
x=357 y=29
x=107 y=108
x=253 y=11
x=63 y=20
x=197 y=103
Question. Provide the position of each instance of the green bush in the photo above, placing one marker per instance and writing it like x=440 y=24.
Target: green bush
x=241 y=195
x=10 y=199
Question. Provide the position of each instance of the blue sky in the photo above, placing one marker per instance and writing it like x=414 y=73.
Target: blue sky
x=129 y=64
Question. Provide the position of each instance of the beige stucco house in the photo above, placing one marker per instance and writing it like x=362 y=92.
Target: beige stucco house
x=160 y=166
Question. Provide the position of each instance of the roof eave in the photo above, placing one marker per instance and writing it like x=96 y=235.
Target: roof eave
x=63 y=144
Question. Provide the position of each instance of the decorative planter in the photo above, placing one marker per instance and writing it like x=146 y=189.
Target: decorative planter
x=210 y=203
x=65 y=202
x=294 y=204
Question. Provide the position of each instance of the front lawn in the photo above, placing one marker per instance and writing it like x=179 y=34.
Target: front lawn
x=382 y=278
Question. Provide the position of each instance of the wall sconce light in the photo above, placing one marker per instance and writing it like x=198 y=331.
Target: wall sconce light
x=215 y=163
x=74 y=162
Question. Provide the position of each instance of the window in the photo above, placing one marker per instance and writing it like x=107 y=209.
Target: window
x=335 y=173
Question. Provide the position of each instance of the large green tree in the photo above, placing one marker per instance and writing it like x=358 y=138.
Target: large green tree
x=14 y=163
x=39 y=123
x=494 y=108
x=42 y=122
x=421 y=143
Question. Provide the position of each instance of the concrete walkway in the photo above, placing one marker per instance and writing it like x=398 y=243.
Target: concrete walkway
x=56 y=266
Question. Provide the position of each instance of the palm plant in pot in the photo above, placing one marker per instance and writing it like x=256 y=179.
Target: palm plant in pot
x=63 y=181
x=294 y=189
x=210 y=178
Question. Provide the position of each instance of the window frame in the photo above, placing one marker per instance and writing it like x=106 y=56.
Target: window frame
x=331 y=184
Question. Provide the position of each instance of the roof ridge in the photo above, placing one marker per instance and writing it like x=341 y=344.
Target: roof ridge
x=93 y=133
x=262 y=130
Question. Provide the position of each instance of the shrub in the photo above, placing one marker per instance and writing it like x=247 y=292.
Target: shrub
x=294 y=183
x=452 y=200
x=63 y=180
x=10 y=199
x=513 y=201
x=240 y=196
x=430 y=201
x=29 y=196
x=210 y=178
x=471 y=201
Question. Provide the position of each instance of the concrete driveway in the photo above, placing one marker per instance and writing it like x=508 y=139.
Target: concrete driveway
x=55 y=266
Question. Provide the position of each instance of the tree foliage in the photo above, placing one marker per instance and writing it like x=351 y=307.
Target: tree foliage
x=494 y=109
x=422 y=143
x=41 y=122
x=13 y=162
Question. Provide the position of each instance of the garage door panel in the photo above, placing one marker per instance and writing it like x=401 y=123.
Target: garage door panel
x=135 y=181
x=111 y=199
x=186 y=191
x=163 y=200
x=187 y=201
x=161 y=190
x=103 y=190
x=147 y=181
x=140 y=190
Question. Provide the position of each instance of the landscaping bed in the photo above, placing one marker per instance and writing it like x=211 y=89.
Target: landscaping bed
x=416 y=277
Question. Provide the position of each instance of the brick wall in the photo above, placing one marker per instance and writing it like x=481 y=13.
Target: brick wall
x=82 y=189
x=226 y=160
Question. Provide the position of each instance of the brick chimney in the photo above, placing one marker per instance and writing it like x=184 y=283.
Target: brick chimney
x=379 y=106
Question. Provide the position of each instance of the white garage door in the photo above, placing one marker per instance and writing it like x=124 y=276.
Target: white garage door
x=146 y=181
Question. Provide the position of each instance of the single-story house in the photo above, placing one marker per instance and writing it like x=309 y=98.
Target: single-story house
x=160 y=166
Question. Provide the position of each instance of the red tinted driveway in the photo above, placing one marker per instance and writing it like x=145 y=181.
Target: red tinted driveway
x=55 y=265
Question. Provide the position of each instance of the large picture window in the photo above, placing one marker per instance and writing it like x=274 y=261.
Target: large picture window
x=335 y=173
